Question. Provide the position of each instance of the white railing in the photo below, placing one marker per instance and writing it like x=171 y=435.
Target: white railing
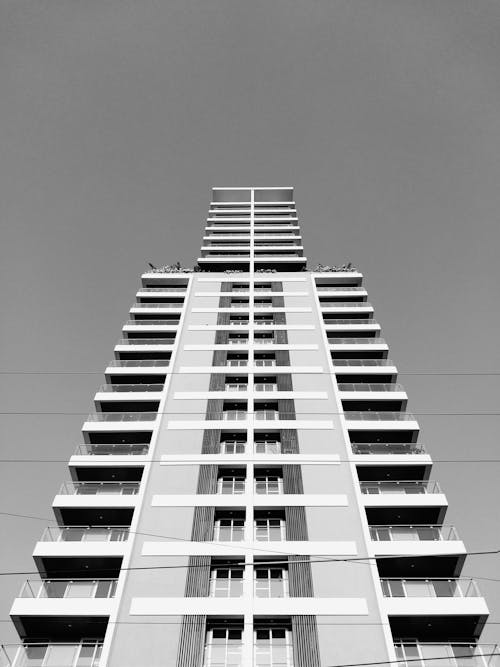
x=415 y=532
x=122 y=416
x=452 y=654
x=82 y=654
x=85 y=534
x=397 y=486
x=113 y=449
x=69 y=588
x=429 y=588
x=100 y=488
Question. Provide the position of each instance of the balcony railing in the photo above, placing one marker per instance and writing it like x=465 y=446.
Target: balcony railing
x=347 y=321
x=234 y=415
x=122 y=416
x=100 y=488
x=363 y=362
x=369 y=415
x=85 y=534
x=265 y=386
x=158 y=306
x=338 y=288
x=237 y=362
x=69 y=588
x=456 y=654
x=345 y=304
x=397 y=486
x=394 y=448
x=121 y=449
x=145 y=341
x=129 y=388
x=415 y=532
x=267 y=415
x=268 y=447
x=430 y=588
x=132 y=363
x=83 y=654
x=166 y=288
x=356 y=341
x=140 y=323
x=265 y=362
x=370 y=386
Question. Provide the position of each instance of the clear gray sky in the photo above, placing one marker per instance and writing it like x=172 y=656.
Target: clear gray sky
x=118 y=116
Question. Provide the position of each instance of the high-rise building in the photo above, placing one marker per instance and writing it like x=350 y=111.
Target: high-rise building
x=250 y=490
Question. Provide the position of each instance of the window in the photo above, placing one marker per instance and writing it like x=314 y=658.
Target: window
x=271 y=582
x=226 y=582
x=230 y=484
x=268 y=484
x=232 y=447
x=267 y=446
x=229 y=530
x=223 y=647
x=269 y=530
x=273 y=646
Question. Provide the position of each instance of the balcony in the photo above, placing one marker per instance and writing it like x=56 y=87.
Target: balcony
x=399 y=487
x=334 y=341
x=82 y=654
x=99 y=488
x=456 y=654
x=363 y=362
x=122 y=417
x=129 y=388
x=414 y=533
x=168 y=325
x=370 y=416
x=122 y=449
x=378 y=387
x=85 y=534
x=388 y=448
x=422 y=541
x=153 y=305
x=139 y=364
x=142 y=342
x=429 y=588
x=68 y=588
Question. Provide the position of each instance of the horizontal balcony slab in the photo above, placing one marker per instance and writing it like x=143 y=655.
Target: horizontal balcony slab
x=435 y=606
x=151 y=310
x=338 y=291
x=373 y=395
x=260 y=293
x=119 y=425
x=251 y=326
x=257 y=500
x=224 y=278
x=352 y=327
x=392 y=459
x=123 y=396
x=77 y=549
x=137 y=370
x=97 y=500
x=364 y=370
x=354 y=308
x=144 y=348
x=250 y=547
x=62 y=607
x=162 y=606
x=163 y=292
x=142 y=326
x=418 y=548
x=111 y=460
x=309 y=425
x=381 y=425
x=257 y=309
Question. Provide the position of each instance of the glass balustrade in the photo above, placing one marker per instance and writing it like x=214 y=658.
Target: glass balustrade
x=234 y=415
x=369 y=415
x=122 y=449
x=145 y=341
x=415 y=532
x=347 y=321
x=363 y=362
x=164 y=323
x=266 y=415
x=85 y=534
x=83 y=654
x=122 y=416
x=158 y=306
x=69 y=588
x=131 y=363
x=429 y=588
x=345 y=304
x=355 y=341
x=339 y=288
x=452 y=654
x=100 y=488
x=166 y=288
x=129 y=388
x=370 y=386
x=395 y=448
x=397 y=487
